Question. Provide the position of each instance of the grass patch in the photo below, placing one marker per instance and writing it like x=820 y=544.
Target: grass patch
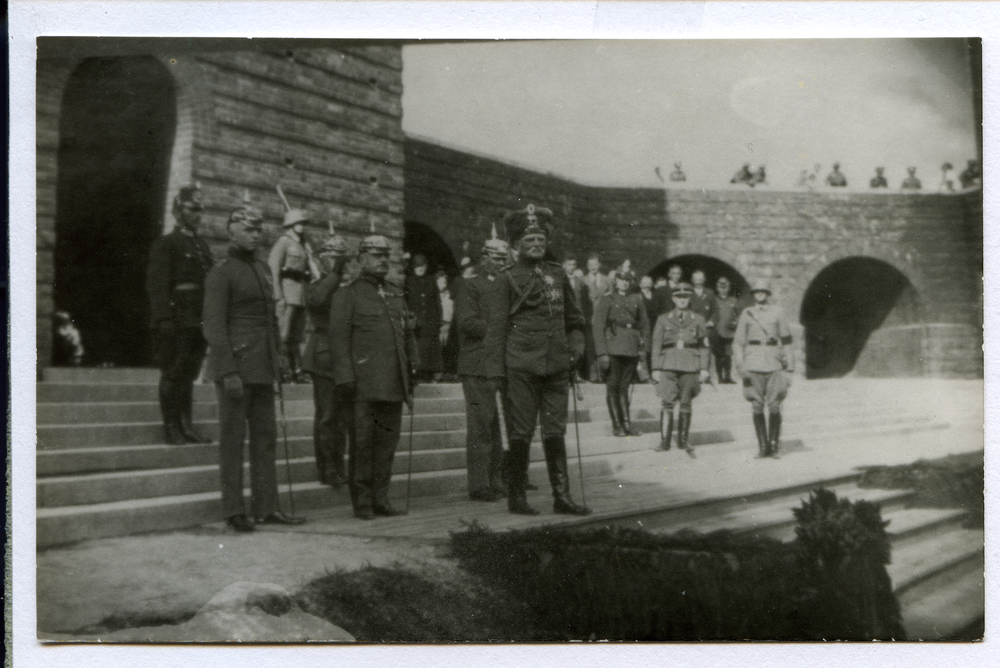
x=955 y=481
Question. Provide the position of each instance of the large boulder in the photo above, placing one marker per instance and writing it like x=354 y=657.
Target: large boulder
x=242 y=612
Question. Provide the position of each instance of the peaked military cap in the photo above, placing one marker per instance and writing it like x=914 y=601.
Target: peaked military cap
x=530 y=220
x=375 y=244
x=189 y=195
x=293 y=216
x=682 y=290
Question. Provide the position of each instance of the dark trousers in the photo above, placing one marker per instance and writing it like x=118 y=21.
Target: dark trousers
x=621 y=372
x=483 y=447
x=333 y=425
x=376 y=430
x=179 y=353
x=256 y=411
x=535 y=399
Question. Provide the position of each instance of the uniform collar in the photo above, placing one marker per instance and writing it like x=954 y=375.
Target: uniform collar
x=241 y=254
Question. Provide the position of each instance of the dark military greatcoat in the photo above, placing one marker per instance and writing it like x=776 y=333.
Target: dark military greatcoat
x=621 y=325
x=177 y=259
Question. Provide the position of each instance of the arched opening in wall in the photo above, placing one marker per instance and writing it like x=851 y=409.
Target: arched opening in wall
x=419 y=238
x=861 y=314
x=116 y=132
x=713 y=268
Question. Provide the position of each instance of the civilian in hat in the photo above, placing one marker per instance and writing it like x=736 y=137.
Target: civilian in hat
x=175 y=282
x=621 y=337
x=482 y=324
x=333 y=420
x=423 y=298
x=292 y=268
x=374 y=359
x=241 y=330
x=663 y=295
x=680 y=363
x=544 y=338
x=763 y=357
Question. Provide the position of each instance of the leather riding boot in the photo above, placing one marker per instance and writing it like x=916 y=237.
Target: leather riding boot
x=624 y=413
x=774 y=433
x=727 y=366
x=666 y=428
x=683 y=427
x=516 y=475
x=760 y=427
x=287 y=375
x=172 y=431
x=616 y=423
x=191 y=435
x=558 y=467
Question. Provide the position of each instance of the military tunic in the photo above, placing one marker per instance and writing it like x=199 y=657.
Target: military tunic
x=761 y=353
x=679 y=352
x=373 y=349
x=240 y=327
x=423 y=297
x=482 y=326
x=621 y=331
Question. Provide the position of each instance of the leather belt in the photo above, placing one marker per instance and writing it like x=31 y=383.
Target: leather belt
x=769 y=342
x=295 y=275
x=673 y=344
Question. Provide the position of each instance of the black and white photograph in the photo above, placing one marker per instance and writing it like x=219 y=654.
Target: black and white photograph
x=357 y=340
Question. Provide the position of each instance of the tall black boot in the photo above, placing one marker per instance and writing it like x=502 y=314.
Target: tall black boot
x=625 y=412
x=774 y=433
x=185 y=399
x=555 y=460
x=172 y=431
x=683 y=427
x=760 y=427
x=727 y=366
x=616 y=422
x=516 y=475
x=666 y=428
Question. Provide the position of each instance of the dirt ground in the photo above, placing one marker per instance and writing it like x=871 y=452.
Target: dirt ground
x=169 y=575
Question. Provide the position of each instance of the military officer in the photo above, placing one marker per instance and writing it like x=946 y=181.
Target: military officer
x=762 y=356
x=482 y=325
x=374 y=359
x=241 y=330
x=292 y=268
x=543 y=340
x=663 y=295
x=680 y=363
x=334 y=412
x=621 y=337
x=175 y=281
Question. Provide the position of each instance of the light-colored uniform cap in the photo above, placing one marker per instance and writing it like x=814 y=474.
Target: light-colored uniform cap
x=293 y=216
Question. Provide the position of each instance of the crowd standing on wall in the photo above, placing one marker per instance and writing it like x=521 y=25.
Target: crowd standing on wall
x=522 y=333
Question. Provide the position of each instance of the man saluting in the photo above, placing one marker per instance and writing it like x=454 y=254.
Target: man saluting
x=544 y=339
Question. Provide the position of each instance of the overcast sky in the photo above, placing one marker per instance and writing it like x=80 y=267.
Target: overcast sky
x=610 y=112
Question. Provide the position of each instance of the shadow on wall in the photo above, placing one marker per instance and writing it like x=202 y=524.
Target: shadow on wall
x=422 y=239
x=713 y=268
x=861 y=315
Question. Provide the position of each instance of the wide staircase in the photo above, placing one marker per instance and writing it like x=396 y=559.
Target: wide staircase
x=102 y=470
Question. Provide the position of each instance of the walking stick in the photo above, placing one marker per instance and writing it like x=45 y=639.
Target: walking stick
x=576 y=426
x=288 y=459
x=504 y=442
x=409 y=461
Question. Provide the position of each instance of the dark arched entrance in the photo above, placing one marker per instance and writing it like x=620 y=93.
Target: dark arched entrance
x=713 y=268
x=115 y=137
x=421 y=238
x=848 y=301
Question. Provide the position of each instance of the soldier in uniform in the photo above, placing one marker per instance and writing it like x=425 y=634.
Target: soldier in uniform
x=334 y=416
x=241 y=330
x=621 y=336
x=482 y=325
x=292 y=268
x=680 y=363
x=175 y=281
x=544 y=339
x=721 y=337
x=663 y=295
x=761 y=357
x=374 y=360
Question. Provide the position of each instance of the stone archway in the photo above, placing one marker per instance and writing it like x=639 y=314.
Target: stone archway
x=861 y=314
x=117 y=125
x=421 y=238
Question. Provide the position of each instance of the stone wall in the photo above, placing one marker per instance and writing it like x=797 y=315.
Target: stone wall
x=325 y=123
